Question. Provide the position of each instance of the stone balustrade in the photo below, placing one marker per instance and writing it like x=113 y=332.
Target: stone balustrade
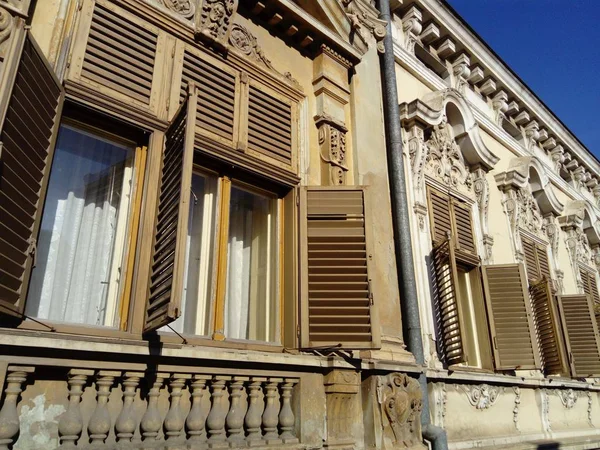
x=104 y=408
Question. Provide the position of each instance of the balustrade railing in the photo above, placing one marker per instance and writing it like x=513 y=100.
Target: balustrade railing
x=219 y=411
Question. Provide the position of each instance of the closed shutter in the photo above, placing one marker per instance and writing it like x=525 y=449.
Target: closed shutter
x=168 y=250
x=543 y=262
x=216 y=94
x=550 y=337
x=120 y=54
x=28 y=136
x=590 y=287
x=441 y=220
x=445 y=298
x=269 y=125
x=510 y=315
x=531 y=262
x=465 y=238
x=581 y=334
x=338 y=308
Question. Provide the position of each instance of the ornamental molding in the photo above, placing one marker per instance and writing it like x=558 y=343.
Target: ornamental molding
x=6 y=28
x=582 y=235
x=482 y=396
x=420 y=210
x=545 y=401
x=332 y=144
x=400 y=401
x=517 y=392
x=568 y=397
x=441 y=400
x=242 y=40
x=589 y=409
x=364 y=18
x=214 y=21
x=185 y=8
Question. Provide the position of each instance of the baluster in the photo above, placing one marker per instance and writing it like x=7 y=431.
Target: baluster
x=287 y=421
x=271 y=415
x=197 y=417
x=235 y=417
x=253 y=419
x=175 y=419
x=9 y=417
x=151 y=420
x=126 y=424
x=70 y=424
x=215 y=422
x=99 y=425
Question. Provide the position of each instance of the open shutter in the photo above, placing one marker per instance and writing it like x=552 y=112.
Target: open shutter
x=446 y=306
x=543 y=262
x=27 y=145
x=531 y=263
x=465 y=238
x=510 y=316
x=440 y=217
x=590 y=287
x=337 y=305
x=581 y=334
x=549 y=329
x=168 y=251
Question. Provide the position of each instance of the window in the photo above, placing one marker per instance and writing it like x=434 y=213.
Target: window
x=231 y=282
x=82 y=239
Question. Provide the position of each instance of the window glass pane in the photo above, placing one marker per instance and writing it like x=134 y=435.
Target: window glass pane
x=197 y=285
x=83 y=231
x=251 y=309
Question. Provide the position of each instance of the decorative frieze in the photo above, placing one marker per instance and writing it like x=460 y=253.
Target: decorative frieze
x=214 y=21
x=400 y=400
x=332 y=143
x=365 y=18
x=481 y=396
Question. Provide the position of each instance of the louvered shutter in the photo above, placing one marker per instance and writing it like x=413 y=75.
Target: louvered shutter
x=465 y=238
x=170 y=235
x=28 y=136
x=590 y=287
x=549 y=329
x=269 y=125
x=440 y=217
x=216 y=95
x=581 y=334
x=531 y=262
x=445 y=298
x=543 y=262
x=337 y=305
x=120 y=53
x=510 y=316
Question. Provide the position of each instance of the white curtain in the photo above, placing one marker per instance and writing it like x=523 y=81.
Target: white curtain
x=75 y=248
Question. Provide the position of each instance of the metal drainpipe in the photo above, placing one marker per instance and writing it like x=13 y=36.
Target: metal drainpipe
x=409 y=304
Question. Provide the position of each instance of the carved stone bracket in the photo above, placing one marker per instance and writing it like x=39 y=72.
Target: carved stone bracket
x=214 y=21
x=332 y=143
x=421 y=211
x=461 y=72
x=415 y=143
x=341 y=391
x=500 y=106
x=400 y=400
x=560 y=280
x=482 y=396
x=185 y=8
x=412 y=27
x=364 y=16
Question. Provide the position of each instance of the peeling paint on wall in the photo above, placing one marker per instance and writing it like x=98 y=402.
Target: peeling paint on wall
x=39 y=425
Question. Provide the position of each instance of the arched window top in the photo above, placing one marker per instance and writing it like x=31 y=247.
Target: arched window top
x=580 y=214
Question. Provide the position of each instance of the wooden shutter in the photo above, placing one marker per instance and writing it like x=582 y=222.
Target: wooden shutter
x=581 y=334
x=465 y=238
x=440 y=217
x=120 y=53
x=28 y=136
x=216 y=95
x=337 y=305
x=510 y=316
x=168 y=252
x=549 y=329
x=445 y=298
x=543 y=262
x=531 y=262
x=269 y=125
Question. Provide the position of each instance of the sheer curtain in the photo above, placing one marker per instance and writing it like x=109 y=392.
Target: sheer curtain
x=251 y=269
x=88 y=191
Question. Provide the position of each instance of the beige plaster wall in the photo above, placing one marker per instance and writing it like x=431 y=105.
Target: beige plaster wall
x=48 y=17
x=409 y=87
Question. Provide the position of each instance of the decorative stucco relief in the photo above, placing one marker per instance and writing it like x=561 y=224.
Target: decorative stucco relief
x=421 y=211
x=567 y=397
x=441 y=398
x=589 y=409
x=517 y=391
x=482 y=396
x=185 y=8
x=214 y=21
x=545 y=400
x=481 y=188
x=364 y=17
x=6 y=26
x=412 y=27
x=332 y=143
x=400 y=400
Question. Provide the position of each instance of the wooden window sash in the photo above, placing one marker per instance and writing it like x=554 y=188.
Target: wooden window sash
x=503 y=321
x=223 y=236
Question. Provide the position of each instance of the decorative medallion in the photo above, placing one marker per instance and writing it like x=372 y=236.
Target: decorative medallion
x=482 y=396
x=214 y=20
x=568 y=398
x=185 y=8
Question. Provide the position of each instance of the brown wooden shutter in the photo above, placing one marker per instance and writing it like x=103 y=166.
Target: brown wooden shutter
x=168 y=251
x=28 y=137
x=581 y=334
x=543 y=262
x=120 y=54
x=337 y=305
x=510 y=316
x=269 y=125
x=531 y=262
x=465 y=238
x=590 y=286
x=440 y=217
x=554 y=358
x=216 y=94
x=445 y=298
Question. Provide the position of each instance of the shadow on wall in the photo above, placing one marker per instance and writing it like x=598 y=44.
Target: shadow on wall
x=549 y=446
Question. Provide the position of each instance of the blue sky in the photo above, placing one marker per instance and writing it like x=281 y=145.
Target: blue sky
x=554 y=46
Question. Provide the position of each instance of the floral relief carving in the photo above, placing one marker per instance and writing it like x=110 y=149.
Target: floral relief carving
x=401 y=402
x=444 y=158
x=214 y=20
x=517 y=391
x=578 y=246
x=415 y=143
x=482 y=396
x=185 y=8
x=524 y=213
x=568 y=398
x=332 y=143
x=364 y=16
x=6 y=26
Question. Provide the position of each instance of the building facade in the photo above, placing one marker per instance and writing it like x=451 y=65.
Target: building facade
x=505 y=242
x=196 y=238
